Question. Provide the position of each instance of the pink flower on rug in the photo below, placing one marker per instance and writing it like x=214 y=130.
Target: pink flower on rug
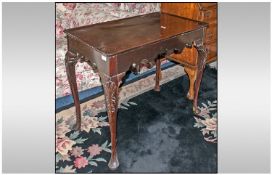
x=94 y=150
x=69 y=6
x=77 y=151
x=80 y=162
x=211 y=124
x=204 y=112
x=63 y=145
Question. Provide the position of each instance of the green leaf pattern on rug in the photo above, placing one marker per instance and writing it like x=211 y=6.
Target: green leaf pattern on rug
x=74 y=135
x=58 y=157
x=80 y=140
x=97 y=130
x=126 y=104
x=93 y=163
x=105 y=146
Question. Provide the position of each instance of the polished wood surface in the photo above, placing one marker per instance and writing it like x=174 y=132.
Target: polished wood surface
x=206 y=12
x=134 y=31
x=115 y=47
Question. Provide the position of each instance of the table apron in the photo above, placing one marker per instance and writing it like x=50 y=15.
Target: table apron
x=89 y=54
x=124 y=60
x=152 y=51
x=79 y=47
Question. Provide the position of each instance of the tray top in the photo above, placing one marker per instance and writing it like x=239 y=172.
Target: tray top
x=121 y=35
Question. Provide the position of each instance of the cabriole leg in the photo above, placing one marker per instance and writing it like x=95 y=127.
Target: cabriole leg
x=111 y=92
x=70 y=62
x=192 y=77
x=201 y=61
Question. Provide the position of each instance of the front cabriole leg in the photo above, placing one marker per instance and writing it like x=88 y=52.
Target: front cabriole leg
x=70 y=62
x=201 y=61
x=111 y=92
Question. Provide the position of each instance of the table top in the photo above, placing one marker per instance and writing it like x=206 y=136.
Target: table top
x=122 y=35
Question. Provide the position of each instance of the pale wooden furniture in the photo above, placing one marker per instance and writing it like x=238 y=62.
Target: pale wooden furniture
x=206 y=12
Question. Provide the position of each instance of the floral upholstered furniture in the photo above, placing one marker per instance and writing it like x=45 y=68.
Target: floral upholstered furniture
x=70 y=15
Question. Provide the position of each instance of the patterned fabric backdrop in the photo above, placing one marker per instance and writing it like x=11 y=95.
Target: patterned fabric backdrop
x=70 y=15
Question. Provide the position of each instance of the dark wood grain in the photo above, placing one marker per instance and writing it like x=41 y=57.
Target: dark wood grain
x=115 y=47
x=134 y=32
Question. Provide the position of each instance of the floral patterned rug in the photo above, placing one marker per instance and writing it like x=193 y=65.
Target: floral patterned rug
x=157 y=133
x=81 y=151
x=207 y=121
x=75 y=151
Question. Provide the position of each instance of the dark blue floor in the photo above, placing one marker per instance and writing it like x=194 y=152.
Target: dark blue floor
x=157 y=134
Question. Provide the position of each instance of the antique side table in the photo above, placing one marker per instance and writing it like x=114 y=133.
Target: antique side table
x=115 y=47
